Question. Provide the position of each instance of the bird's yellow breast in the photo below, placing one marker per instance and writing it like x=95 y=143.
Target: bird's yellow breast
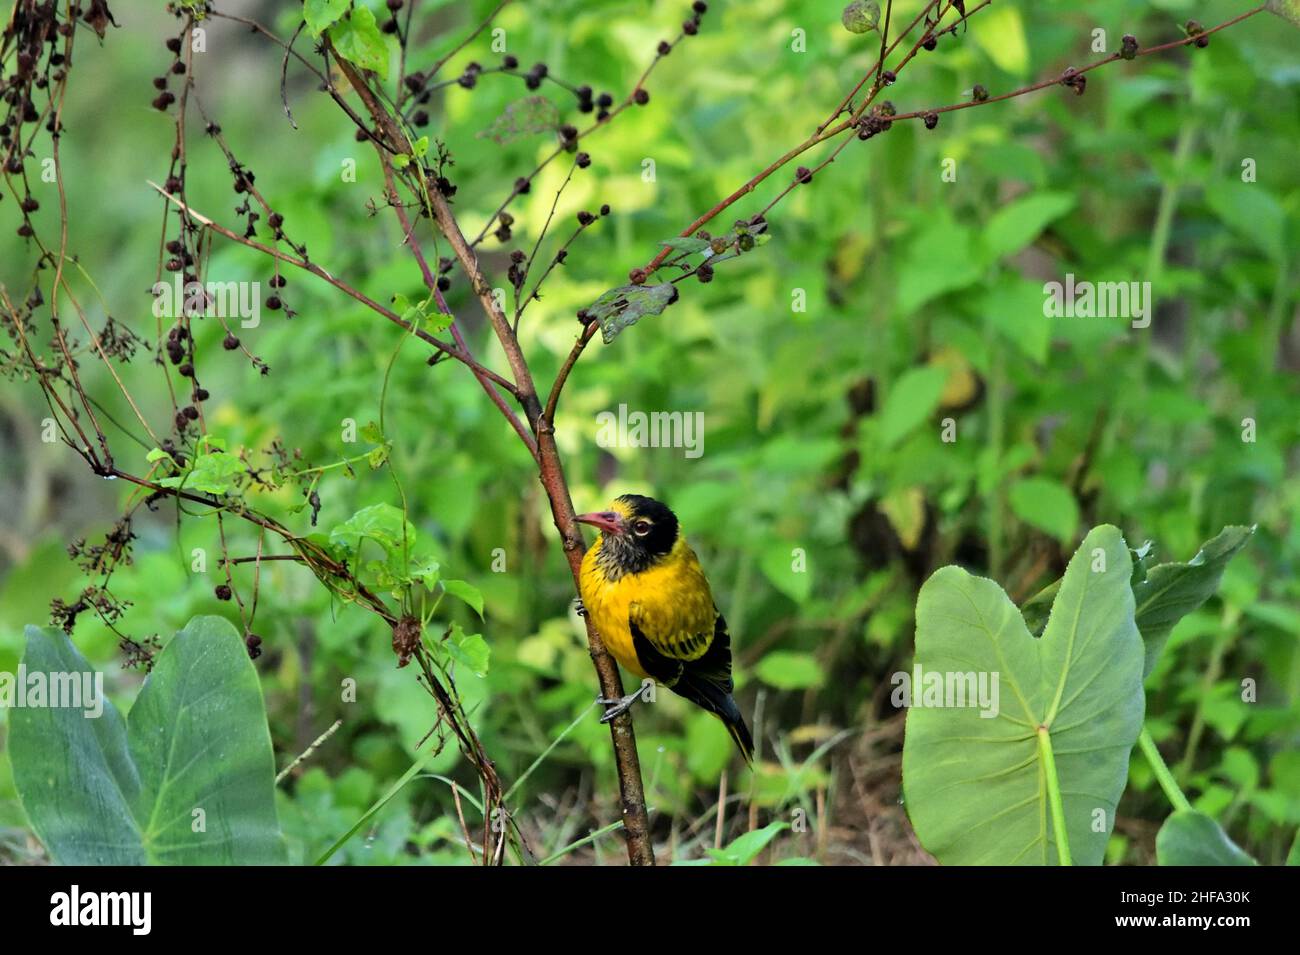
x=673 y=603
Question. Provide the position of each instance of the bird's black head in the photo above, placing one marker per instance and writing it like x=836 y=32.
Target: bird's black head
x=636 y=533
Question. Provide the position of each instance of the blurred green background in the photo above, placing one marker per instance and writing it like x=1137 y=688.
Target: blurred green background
x=924 y=301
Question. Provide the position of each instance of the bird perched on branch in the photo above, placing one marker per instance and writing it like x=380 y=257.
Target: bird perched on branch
x=647 y=595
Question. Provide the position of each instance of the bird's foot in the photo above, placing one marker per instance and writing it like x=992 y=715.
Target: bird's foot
x=618 y=706
x=578 y=607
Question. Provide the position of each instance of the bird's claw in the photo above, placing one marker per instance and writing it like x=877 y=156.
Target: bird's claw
x=578 y=607
x=617 y=707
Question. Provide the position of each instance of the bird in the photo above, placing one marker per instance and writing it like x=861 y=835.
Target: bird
x=644 y=590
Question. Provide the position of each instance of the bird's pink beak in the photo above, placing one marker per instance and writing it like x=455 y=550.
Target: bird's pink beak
x=608 y=522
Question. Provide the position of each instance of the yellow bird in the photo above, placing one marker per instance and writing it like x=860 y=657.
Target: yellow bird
x=650 y=602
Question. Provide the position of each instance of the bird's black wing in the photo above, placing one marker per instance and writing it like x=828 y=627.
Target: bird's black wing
x=705 y=681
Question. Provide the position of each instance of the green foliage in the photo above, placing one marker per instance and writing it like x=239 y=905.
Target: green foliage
x=977 y=787
x=358 y=40
x=186 y=779
x=1194 y=839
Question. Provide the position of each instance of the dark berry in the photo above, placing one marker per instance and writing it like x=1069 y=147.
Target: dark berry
x=223 y=592
x=931 y=120
x=641 y=97
x=230 y=342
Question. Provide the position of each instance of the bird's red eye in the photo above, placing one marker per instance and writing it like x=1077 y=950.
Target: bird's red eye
x=641 y=527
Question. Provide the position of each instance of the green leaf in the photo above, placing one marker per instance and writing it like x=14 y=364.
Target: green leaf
x=861 y=16
x=1046 y=504
x=1286 y=9
x=1014 y=307
x=911 y=400
x=1014 y=226
x=359 y=41
x=382 y=523
x=320 y=14
x=466 y=592
x=626 y=305
x=778 y=563
x=211 y=473
x=976 y=787
x=745 y=848
x=687 y=244
x=1192 y=838
x=195 y=753
x=788 y=670
x=1253 y=212
x=941 y=259
x=401 y=160
x=469 y=650
x=1000 y=33
x=1172 y=591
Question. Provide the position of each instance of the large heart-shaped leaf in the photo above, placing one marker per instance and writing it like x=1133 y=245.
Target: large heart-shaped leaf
x=1068 y=709
x=188 y=778
x=1189 y=837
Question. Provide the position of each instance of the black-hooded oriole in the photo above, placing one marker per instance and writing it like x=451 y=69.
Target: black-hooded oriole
x=650 y=602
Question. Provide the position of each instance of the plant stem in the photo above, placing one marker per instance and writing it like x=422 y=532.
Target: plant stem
x=1163 y=775
x=1054 y=796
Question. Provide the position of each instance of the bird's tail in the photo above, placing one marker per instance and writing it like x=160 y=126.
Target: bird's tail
x=735 y=724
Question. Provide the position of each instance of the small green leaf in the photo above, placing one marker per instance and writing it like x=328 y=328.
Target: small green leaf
x=420 y=147
x=1286 y=9
x=436 y=322
x=425 y=570
x=1017 y=224
x=861 y=16
x=1000 y=33
x=401 y=161
x=626 y=305
x=745 y=848
x=466 y=592
x=787 y=570
x=1047 y=505
x=1192 y=838
x=689 y=244
x=910 y=401
x=788 y=670
x=370 y=432
x=470 y=650
x=1172 y=591
x=359 y=41
x=320 y=14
